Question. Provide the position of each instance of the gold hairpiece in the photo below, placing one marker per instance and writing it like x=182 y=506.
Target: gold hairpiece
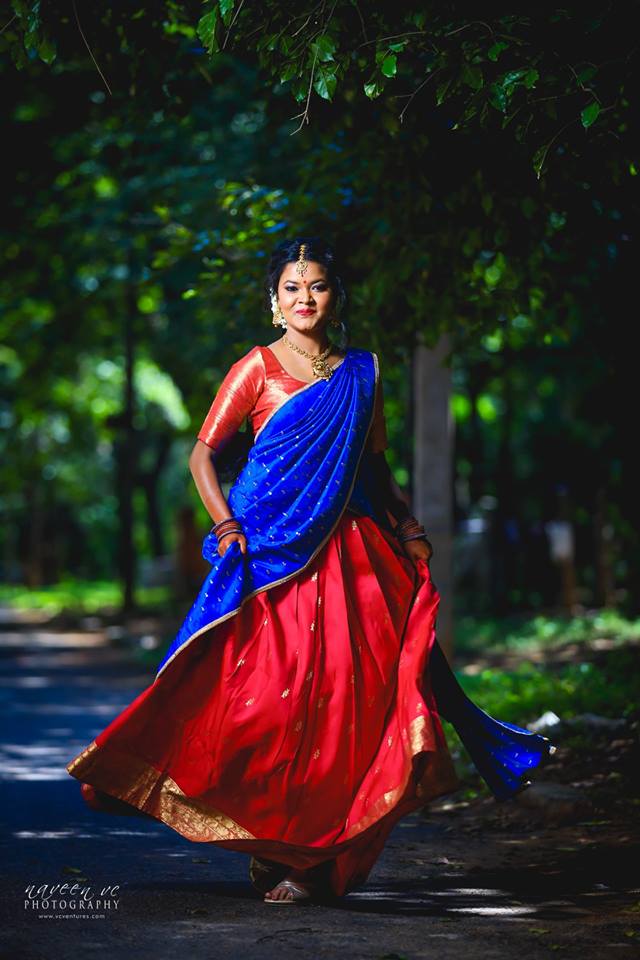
x=302 y=264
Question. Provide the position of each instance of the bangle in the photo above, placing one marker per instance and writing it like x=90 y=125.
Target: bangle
x=407 y=522
x=409 y=529
x=227 y=523
x=223 y=527
x=223 y=522
x=227 y=532
x=407 y=525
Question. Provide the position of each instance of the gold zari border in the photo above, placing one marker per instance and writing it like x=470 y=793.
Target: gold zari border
x=141 y=785
x=438 y=779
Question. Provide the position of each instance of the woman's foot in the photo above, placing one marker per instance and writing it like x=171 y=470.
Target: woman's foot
x=293 y=888
x=265 y=874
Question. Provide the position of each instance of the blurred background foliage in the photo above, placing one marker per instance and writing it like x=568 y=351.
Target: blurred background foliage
x=158 y=151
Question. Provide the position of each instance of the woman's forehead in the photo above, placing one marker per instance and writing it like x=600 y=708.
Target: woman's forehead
x=315 y=271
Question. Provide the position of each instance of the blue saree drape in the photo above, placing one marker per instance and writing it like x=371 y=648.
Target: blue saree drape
x=307 y=465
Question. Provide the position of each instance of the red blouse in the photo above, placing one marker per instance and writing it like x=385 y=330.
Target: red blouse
x=254 y=386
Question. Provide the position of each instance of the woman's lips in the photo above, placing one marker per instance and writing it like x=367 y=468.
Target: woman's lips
x=305 y=313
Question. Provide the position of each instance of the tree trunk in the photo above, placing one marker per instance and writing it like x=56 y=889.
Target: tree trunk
x=34 y=567
x=127 y=463
x=150 y=482
x=605 y=595
x=433 y=472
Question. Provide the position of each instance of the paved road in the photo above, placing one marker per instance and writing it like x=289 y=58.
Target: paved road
x=437 y=889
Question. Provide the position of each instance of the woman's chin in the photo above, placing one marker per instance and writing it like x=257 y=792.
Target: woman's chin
x=313 y=324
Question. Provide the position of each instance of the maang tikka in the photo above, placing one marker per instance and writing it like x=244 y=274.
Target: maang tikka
x=302 y=264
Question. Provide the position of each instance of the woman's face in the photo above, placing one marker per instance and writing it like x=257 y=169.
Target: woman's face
x=310 y=293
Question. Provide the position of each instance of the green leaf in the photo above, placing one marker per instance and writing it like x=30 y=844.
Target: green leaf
x=373 y=89
x=47 y=50
x=497 y=97
x=442 y=90
x=324 y=48
x=590 y=114
x=512 y=78
x=496 y=50
x=226 y=9
x=586 y=74
x=268 y=42
x=289 y=70
x=502 y=90
x=538 y=159
x=325 y=82
x=472 y=76
x=206 y=30
x=492 y=275
x=299 y=88
x=389 y=65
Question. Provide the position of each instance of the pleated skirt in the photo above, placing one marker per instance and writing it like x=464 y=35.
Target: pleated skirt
x=299 y=730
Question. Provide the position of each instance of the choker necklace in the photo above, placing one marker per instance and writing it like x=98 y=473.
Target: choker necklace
x=318 y=361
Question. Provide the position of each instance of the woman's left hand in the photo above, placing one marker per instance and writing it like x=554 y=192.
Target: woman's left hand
x=418 y=550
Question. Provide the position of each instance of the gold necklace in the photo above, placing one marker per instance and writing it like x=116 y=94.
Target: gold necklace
x=318 y=361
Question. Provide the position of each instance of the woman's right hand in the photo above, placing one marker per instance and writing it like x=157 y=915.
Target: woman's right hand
x=223 y=546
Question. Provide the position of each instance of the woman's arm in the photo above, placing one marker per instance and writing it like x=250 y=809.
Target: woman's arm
x=397 y=507
x=206 y=480
x=233 y=402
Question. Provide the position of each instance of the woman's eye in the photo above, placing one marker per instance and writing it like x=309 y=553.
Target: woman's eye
x=295 y=289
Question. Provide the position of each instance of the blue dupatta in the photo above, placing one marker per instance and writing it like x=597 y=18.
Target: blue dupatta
x=307 y=464
x=298 y=479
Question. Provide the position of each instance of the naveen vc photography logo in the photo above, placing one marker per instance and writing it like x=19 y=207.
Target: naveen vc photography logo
x=71 y=901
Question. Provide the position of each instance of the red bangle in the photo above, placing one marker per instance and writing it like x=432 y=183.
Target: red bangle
x=409 y=529
x=227 y=532
x=225 y=524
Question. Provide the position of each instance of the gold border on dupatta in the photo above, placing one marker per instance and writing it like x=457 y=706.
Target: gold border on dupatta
x=301 y=569
x=290 y=396
x=139 y=784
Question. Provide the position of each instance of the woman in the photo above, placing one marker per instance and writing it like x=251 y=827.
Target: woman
x=296 y=715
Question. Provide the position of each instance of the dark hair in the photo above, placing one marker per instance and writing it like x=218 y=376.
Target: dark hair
x=319 y=251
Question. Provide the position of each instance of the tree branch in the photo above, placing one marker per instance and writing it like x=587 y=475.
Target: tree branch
x=305 y=112
x=89 y=48
x=417 y=91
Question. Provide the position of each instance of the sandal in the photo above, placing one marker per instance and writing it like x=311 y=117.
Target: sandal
x=264 y=874
x=298 y=893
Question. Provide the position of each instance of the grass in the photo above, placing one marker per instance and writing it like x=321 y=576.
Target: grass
x=523 y=632
x=80 y=597
x=609 y=687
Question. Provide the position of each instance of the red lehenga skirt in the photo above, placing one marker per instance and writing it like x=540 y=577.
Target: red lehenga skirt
x=302 y=728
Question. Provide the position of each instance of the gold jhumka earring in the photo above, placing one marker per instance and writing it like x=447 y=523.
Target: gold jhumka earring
x=279 y=319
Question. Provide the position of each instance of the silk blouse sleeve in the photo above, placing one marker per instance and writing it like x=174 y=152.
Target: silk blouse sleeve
x=378 y=434
x=234 y=400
